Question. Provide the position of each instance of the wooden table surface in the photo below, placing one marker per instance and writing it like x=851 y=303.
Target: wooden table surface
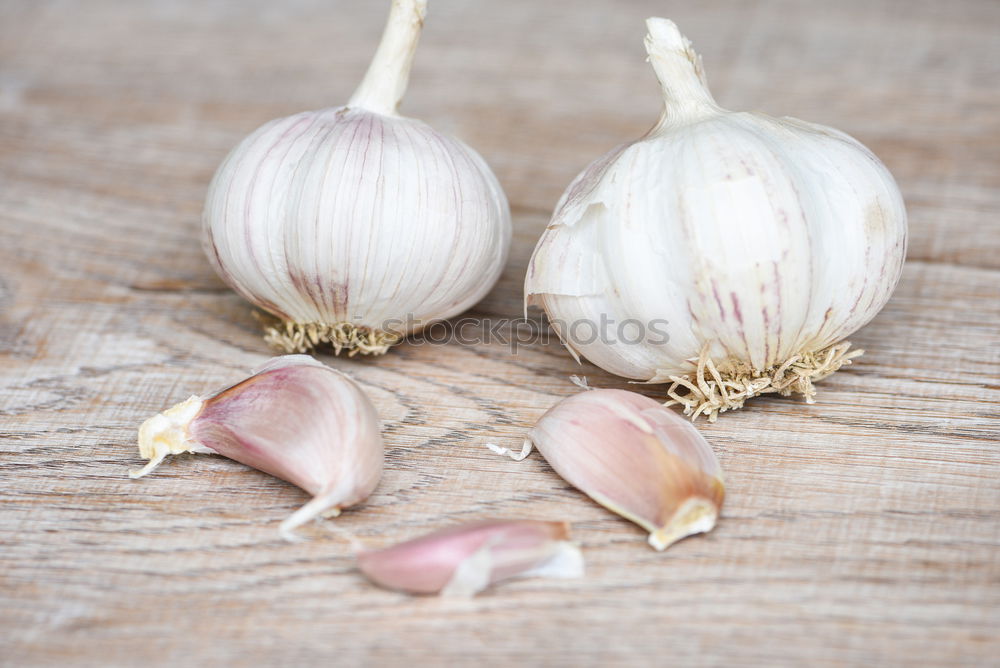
x=861 y=530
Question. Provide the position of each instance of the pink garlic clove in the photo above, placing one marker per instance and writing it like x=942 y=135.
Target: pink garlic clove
x=634 y=457
x=294 y=418
x=463 y=560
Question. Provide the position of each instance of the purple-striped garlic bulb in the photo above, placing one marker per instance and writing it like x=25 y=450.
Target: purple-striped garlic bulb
x=355 y=226
x=636 y=458
x=465 y=559
x=294 y=418
x=729 y=254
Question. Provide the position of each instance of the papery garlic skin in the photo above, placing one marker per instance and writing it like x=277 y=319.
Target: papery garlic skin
x=761 y=243
x=634 y=457
x=294 y=418
x=355 y=226
x=463 y=560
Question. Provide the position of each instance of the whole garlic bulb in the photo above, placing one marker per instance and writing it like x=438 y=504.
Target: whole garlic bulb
x=728 y=253
x=354 y=225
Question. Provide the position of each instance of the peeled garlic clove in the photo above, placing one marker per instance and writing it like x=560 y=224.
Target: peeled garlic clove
x=355 y=226
x=634 y=457
x=465 y=559
x=294 y=418
x=726 y=253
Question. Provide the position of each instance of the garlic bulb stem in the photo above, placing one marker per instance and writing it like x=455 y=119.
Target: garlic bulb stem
x=384 y=84
x=678 y=69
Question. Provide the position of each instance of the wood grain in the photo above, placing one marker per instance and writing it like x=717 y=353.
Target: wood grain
x=860 y=530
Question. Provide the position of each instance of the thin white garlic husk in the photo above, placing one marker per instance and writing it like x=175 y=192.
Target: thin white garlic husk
x=727 y=253
x=294 y=418
x=355 y=226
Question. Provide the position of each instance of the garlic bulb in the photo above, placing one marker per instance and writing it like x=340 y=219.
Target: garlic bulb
x=726 y=253
x=634 y=457
x=294 y=418
x=463 y=560
x=355 y=226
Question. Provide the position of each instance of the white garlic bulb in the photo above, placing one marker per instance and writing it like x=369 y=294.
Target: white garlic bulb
x=354 y=225
x=727 y=253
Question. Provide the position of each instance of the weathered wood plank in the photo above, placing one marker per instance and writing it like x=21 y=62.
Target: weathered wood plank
x=861 y=529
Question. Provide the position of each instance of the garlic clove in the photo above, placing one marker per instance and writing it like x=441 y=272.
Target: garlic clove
x=634 y=457
x=744 y=249
x=463 y=560
x=294 y=418
x=354 y=226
